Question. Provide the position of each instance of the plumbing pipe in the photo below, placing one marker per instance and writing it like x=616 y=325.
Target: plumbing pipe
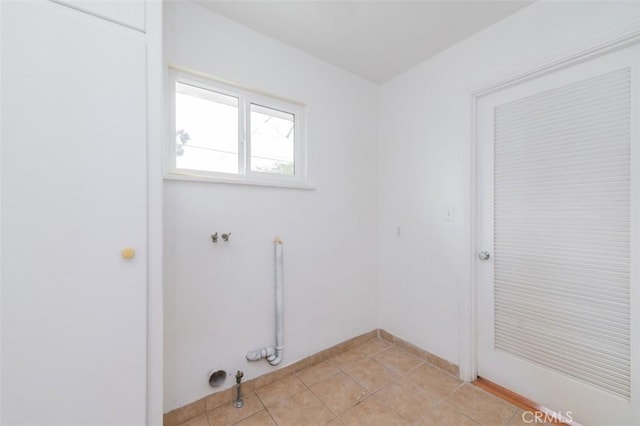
x=274 y=354
x=279 y=290
x=239 y=402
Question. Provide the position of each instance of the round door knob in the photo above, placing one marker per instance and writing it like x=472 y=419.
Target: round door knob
x=128 y=253
x=484 y=255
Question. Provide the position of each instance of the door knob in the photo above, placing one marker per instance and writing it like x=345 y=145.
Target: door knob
x=484 y=255
x=128 y=253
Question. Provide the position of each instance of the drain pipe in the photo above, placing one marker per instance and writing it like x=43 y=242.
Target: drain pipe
x=274 y=354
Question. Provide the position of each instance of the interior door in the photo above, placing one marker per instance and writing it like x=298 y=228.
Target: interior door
x=73 y=196
x=558 y=254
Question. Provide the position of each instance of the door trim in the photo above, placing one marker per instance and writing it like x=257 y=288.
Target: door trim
x=155 y=287
x=616 y=38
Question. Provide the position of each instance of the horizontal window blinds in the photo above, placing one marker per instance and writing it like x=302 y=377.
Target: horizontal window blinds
x=561 y=223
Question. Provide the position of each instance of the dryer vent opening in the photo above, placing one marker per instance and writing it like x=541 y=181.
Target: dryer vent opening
x=217 y=378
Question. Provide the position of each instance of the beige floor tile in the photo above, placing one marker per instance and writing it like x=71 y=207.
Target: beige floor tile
x=372 y=375
x=375 y=383
x=220 y=398
x=520 y=418
x=280 y=390
x=303 y=408
x=398 y=360
x=317 y=373
x=444 y=415
x=169 y=419
x=374 y=346
x=349 y=359
x=481 y=406
x=371 y=412
x=227 y=414
x=188 y=412
x=261 y=418
x=433 y=381
x=339 y=393
x=406 y=399
x=201 y=420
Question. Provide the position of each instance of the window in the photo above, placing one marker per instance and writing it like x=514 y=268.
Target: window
x=222 y=132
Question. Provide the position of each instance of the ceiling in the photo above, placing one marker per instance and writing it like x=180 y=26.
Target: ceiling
x=376 y=40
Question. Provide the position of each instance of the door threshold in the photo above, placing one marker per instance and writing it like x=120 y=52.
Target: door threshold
x=544 y=414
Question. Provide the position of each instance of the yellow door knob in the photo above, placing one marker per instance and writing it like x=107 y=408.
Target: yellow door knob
x=128 y=253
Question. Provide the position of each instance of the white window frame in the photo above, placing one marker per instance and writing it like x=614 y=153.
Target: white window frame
x=246 y=98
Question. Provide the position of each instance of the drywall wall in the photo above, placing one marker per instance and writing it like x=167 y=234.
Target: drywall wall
x=219 y=300
x=422 y=162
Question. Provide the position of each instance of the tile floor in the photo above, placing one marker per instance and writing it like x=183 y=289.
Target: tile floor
x=375 y=383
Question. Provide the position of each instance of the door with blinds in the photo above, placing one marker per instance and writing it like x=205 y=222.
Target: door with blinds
x=558 y=252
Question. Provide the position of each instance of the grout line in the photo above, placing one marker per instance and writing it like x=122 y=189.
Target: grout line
x=260 y=400
x=344 y=370
x=443 y=402
x=323 y=403
x=512 y=417
x=390 y=407
x=269 y=414
x=320 y=399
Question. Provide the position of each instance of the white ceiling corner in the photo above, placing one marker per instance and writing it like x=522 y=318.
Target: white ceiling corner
x=376 y=40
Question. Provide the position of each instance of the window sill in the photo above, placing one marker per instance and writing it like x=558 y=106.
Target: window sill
x=238 y=181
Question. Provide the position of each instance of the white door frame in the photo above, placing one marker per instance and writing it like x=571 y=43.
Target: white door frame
x=617 y=38
x=155 y=132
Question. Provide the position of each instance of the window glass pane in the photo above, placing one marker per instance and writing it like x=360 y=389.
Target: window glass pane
x=206 y=130
x=272 y=140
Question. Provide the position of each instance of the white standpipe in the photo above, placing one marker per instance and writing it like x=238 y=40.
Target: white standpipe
x=274 y=354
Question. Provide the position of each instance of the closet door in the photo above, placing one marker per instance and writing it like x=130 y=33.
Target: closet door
x=130 y=13
x=558 y=285
x=73 y=197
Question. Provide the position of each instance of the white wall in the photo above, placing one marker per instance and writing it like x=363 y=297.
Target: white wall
x=422 y=162
x=219 y=301
x=219 y=298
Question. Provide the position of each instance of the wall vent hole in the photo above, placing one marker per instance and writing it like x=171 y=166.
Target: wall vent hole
x=217 y=378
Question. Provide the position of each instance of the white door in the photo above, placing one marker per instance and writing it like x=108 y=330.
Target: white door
x=73 y=196
x=558 y=297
